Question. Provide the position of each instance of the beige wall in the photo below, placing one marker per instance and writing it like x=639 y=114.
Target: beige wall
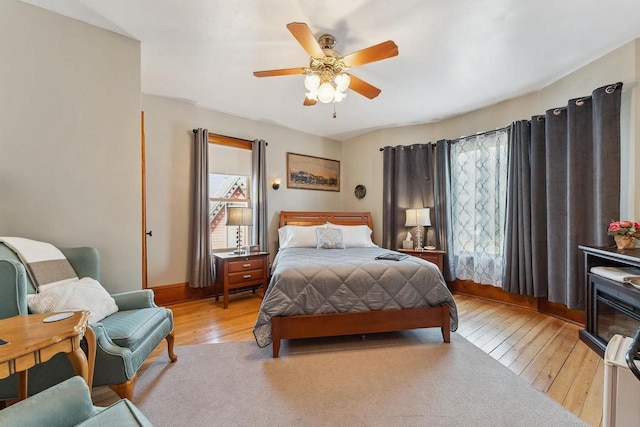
x=70 y=137
x=70 y=152
x=363 y=160
x=169 y=139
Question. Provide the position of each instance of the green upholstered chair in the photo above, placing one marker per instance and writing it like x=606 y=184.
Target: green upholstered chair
x=69 y=404
x=124 y=339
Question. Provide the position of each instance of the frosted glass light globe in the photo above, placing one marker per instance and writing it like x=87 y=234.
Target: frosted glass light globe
x=326 y=92
x=311 y=82
x=339 y=96
x=342 y=81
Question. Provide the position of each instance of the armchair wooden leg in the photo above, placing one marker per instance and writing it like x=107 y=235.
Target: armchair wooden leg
x=125 y=390
x=170 y=341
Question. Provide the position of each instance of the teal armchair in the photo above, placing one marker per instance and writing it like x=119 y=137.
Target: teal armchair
x=69 y=404
x=123 y=340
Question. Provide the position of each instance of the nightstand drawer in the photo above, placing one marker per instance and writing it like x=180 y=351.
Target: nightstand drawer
x=245 y=276
x=434 y=256
x=429 y=257
x=250 y=264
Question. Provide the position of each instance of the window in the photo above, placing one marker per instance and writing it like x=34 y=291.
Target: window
x=225 y=191
x=229 y=185
x=479 y=195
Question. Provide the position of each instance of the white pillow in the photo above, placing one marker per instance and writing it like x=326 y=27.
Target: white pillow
x=298 y=236
x=355 y=236
x=84 y=294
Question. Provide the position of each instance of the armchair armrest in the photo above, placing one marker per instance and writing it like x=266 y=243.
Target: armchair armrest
x=105 y=343
x=13 y=292
x=134 y=300
x=67 y=403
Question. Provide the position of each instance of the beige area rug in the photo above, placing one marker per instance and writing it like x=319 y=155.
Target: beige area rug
x=397 y=379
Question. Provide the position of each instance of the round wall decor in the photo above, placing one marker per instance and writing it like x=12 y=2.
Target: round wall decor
x=360 y=191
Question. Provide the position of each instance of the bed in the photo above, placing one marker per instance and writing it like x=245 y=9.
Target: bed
x=343 y=290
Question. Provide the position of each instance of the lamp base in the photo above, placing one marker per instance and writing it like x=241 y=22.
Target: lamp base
x=418 y=238
x=239 y=249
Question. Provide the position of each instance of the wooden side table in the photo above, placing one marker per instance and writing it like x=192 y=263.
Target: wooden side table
x=30 y=341
x=433 y=256
x=239 y=271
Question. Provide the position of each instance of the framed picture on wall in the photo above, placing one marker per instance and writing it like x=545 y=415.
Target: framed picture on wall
x=312 y=173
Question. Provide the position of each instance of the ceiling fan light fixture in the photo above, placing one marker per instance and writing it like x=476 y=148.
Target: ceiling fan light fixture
x=339 y=96
x=342 y=81
x=326 y=92
x=325 y=77
x=312 y=81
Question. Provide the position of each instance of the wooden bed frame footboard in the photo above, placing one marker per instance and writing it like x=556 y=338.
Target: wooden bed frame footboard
x=325 y=325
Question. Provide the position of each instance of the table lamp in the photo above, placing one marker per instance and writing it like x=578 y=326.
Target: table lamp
x=418 y=218
x=240 y=217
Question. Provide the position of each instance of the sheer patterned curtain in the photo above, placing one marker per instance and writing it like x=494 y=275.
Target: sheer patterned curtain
x=478 y=206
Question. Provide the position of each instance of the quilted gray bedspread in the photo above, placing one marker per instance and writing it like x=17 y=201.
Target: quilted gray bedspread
x=312 y=281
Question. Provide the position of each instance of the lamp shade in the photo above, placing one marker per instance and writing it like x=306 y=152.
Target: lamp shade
x=416 y=217
x=239 y=216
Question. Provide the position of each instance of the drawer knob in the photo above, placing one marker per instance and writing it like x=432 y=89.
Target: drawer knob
x=246 y=265
x=246 y=276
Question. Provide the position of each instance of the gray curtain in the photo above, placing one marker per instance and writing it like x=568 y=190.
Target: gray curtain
x=201 y=267
x=260 y=228
x=442 y=206
x=574 y=194
x=407 y=184
x=538 y=204
x=517 y=248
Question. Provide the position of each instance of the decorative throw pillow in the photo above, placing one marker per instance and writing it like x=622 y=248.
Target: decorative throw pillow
x=298 y=236
x=84 y=294
x=329 y=238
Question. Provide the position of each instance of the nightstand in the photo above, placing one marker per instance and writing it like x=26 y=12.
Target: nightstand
x=235 y=271
x=433 y=256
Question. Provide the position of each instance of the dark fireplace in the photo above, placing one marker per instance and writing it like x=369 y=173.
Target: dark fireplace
x=612 y=307
x=617 y=309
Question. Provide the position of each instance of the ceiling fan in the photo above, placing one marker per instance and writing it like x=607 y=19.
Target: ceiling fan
x=326 y=77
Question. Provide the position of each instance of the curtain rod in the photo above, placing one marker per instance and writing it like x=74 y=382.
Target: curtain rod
x=481 y=133
x=225 y=136
x=230 y=137
x=462 y=137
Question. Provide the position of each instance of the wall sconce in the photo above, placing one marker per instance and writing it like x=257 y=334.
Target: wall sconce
x=275 y=184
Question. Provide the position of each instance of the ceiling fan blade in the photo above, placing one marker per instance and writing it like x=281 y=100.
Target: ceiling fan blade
x=282 y=72
x=375 y=53
x=363 y=88
x=305 y=37
x=309 y=102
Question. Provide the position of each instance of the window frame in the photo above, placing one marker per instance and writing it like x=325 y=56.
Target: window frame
x=243 y=144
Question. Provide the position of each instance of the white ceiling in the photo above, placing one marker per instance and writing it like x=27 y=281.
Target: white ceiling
x=455 y=55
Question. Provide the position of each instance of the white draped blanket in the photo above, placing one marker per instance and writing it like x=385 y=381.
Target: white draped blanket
x=46 y=264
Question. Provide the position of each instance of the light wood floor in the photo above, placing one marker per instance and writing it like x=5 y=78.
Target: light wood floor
x=543 y=350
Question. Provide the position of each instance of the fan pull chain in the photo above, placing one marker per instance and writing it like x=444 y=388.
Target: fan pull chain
x=334 y=111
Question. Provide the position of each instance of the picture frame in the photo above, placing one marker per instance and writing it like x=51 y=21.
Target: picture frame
x=312 y=173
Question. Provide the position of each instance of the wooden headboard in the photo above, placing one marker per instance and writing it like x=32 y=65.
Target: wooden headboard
x=317 y=218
